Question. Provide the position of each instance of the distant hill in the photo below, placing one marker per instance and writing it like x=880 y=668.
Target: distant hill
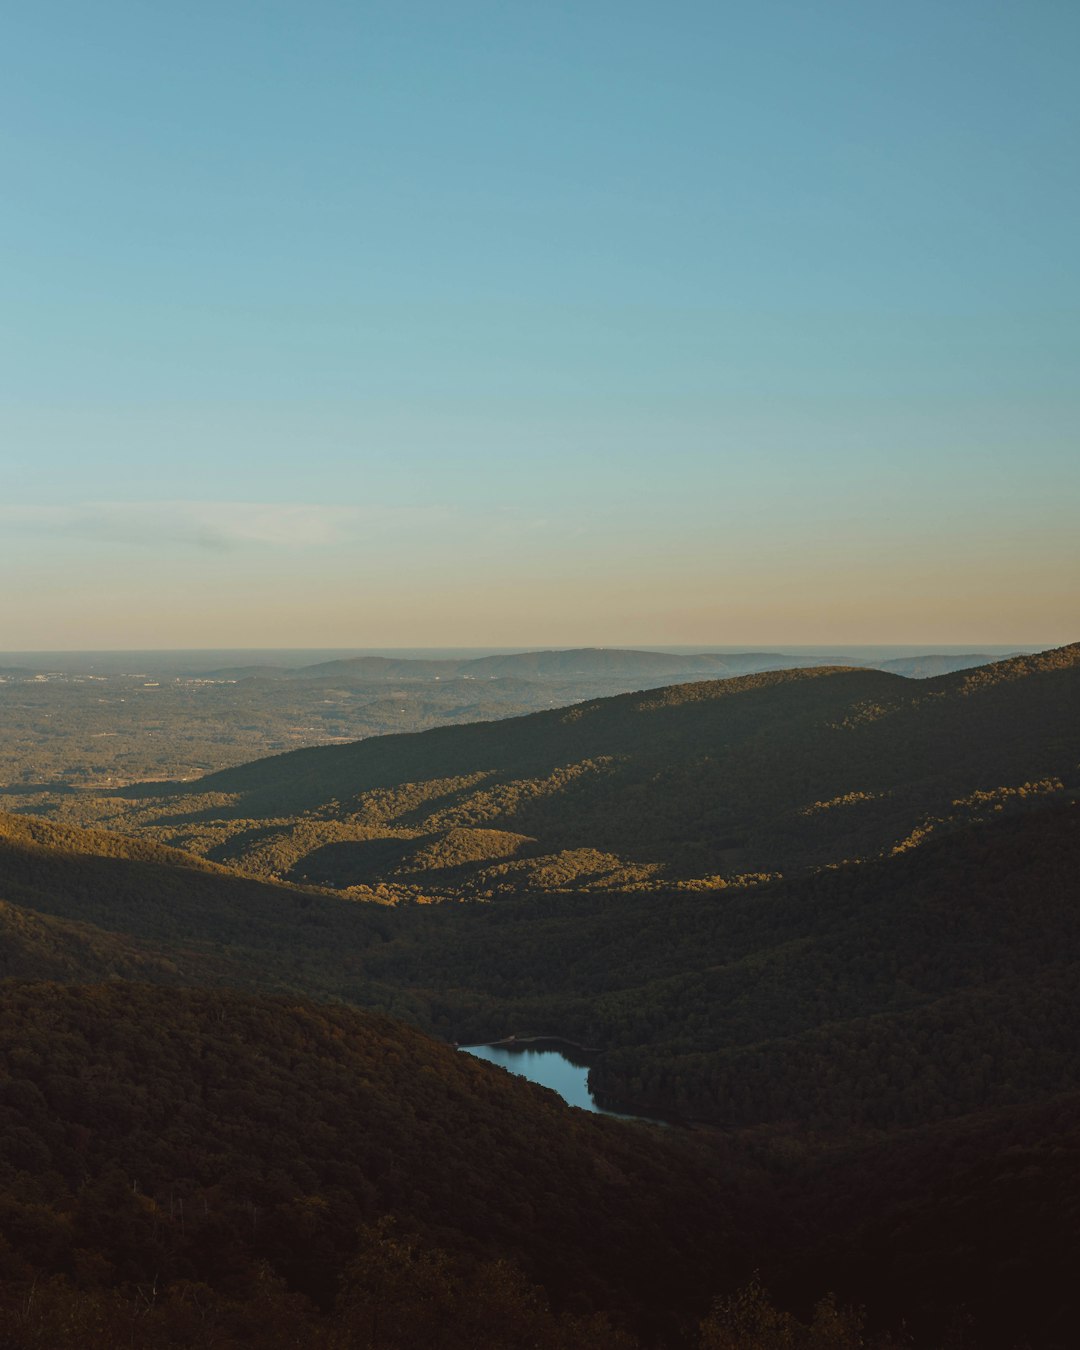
x=926 y=667
x=91 y=726
x=592 y=663
x=573 y=664
x=694 y=783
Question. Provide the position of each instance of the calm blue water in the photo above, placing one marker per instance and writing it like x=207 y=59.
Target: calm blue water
x=551 y=1067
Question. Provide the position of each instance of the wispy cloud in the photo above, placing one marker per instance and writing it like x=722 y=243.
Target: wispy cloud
x=213 y=525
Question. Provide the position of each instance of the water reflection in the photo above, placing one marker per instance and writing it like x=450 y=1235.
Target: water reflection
x=552 y=1064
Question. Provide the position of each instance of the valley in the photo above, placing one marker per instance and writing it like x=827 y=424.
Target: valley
x=85 y=721
x=705 y=784
x=884 y=1007
x=540 y=690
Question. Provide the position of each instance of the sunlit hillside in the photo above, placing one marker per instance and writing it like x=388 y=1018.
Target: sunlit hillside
x=695 y=784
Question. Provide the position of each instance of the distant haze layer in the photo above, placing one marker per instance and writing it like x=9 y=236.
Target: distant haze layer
x=202 y=660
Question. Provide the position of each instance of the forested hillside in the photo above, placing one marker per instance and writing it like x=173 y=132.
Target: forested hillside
x=708 y=784
x=237 y=1160
x=875 y=1056
x=937 y=981
x=86 y=904
x=893 y=1045
x=73 y=721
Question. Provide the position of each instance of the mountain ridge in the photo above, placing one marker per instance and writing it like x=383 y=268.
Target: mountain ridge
x=552 y=663
x=700 y=783
x=881 y=1041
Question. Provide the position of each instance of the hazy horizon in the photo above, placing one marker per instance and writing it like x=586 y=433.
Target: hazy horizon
x=195 y=659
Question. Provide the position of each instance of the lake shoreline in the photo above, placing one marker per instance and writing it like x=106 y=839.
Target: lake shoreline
x=508 y=1042
x=570 y=1053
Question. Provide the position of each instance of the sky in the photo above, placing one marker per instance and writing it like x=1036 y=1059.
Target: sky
x=494 y=323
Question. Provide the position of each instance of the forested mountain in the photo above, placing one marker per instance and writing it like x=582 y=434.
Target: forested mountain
x=235 y=1161
x=76 y=721
x=939 y=981
x=205 y=1168
x=72 y=722
x=662 y=980
x=705 y=783
x=875 y=1054
x=875 y=1037
x=884 y=994
x=86 y=905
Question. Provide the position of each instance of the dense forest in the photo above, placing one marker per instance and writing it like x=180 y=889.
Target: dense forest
x=76 y=721
x=707 y=784
x=888 y=1032
x=882 y=994
x=185 y=1167
x=874 y=1055
x=173 y=1138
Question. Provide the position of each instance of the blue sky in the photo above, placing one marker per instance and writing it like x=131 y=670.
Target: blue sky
x=491 y=323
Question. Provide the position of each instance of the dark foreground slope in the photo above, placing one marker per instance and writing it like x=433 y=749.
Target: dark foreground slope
x=699 y=783
x=206 y=1147
x=891 y=1047
x=973 y=1224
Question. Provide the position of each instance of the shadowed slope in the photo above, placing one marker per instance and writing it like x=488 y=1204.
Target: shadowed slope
x=698 y=782
x=86 y=905
x=918 y=1013
x=176 y=1135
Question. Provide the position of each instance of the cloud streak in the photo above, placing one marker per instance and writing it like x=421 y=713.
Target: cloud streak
x=214 y=525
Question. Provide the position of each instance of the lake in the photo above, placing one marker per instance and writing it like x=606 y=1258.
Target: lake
x=552 y=1064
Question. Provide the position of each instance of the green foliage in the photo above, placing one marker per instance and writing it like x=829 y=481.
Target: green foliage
x=886 y=1035
x=170 y=1138
x=694 y=784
